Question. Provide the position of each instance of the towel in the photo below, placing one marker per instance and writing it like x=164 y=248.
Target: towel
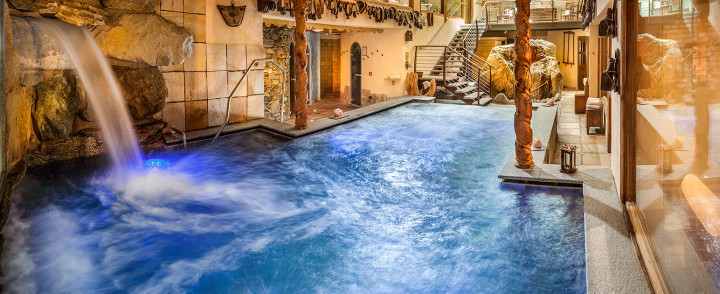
x=594 y=103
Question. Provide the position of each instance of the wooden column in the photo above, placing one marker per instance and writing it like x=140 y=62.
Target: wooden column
x=628 y=99
x=523 y=82
x=301 y=94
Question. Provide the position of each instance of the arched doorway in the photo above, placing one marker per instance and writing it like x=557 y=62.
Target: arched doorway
x=355 y=73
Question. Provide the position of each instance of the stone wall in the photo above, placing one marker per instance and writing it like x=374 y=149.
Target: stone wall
x=199 y=88
x=276 y=42
x=48 y=115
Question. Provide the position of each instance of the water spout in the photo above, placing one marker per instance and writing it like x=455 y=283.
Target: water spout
x=103 y=92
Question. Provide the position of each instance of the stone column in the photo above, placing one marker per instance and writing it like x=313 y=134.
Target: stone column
x=301 y=93
x=523 y=82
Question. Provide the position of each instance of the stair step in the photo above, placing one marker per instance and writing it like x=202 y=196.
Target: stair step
x=484 y=101
x=458 y=84
x=466 y=90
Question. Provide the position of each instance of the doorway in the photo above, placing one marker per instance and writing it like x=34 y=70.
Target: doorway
x=582 y=61
x=355 y=73
x=330 y=67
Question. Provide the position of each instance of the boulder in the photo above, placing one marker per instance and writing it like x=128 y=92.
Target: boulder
x=144 y=90
x=144 y=38
x=501 y=99
x=55 y=108
x=88 y=142
x=77 y=12
x=544 y=70
x=151 y=132
x=82 y=144
x=36 y=49
x=662 y=58
x=145 y=6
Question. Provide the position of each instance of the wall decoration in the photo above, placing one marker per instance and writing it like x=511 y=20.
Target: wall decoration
x=380 y=14
x=568 y=43
x=233 y=15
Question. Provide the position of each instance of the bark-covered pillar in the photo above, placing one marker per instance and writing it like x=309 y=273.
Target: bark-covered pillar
x=300 y=64
x=523 y=82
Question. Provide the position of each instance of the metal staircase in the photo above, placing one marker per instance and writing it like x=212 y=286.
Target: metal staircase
x=457 y=71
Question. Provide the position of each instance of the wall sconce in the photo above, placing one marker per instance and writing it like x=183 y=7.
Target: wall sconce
x=408 y=36
x=664 y=157
x=567 y=159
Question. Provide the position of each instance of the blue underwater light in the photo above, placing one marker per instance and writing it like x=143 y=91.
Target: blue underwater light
x=156 y=163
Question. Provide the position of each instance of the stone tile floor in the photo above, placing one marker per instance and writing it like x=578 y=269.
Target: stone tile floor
x=325 y=107
x=591 y=149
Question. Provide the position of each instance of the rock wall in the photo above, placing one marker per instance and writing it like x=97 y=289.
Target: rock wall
x=662 y=60
x=276 y=42
x=48 y=116
x=544 y=70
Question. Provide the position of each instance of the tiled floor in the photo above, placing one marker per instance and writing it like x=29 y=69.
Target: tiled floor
x=325 y=107
x=591 y=149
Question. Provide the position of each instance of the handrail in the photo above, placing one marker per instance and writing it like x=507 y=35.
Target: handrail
x=538 y=87
x=457 y=5
x=173 y=129
x=254 y=62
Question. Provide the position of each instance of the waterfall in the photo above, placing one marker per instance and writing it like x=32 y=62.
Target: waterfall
x=103 y=92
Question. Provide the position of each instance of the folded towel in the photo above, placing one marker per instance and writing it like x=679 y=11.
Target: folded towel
x=593 y=107
x=594 y=101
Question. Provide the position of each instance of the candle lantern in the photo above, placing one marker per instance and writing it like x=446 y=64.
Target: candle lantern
x=567 y=159
x=664 y=157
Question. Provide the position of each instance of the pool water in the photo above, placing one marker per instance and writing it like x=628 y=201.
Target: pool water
x=407 y=200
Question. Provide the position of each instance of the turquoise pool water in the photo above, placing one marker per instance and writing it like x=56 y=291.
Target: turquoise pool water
x=405 y=201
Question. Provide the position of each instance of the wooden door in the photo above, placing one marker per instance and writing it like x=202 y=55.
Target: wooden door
x=355 y=73
x=582 y=61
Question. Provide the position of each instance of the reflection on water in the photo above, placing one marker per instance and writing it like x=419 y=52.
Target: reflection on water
x=404 y=201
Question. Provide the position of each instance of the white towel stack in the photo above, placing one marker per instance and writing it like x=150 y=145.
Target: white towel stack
x=594 y=103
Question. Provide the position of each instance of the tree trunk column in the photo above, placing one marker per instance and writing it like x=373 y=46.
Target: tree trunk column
x=523 y=82
x=300 y=64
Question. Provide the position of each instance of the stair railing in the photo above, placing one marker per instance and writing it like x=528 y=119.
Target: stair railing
x=454 y=9
x=232 y=93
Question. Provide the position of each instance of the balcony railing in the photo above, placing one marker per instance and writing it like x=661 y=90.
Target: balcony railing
x=541 y=11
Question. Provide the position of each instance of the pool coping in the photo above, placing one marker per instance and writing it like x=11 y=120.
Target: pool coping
x=611 y=263
x=289 y=130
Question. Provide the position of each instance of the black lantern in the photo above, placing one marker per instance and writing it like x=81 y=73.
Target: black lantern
x=567 y=159
x=664 y=157
x=408 y=36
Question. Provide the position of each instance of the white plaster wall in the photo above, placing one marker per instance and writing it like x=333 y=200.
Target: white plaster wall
x=593 y=61
x=569 y=71
x=386 y=54
x=615 y=120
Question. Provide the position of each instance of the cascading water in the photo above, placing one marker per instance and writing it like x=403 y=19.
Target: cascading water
x=103 y=92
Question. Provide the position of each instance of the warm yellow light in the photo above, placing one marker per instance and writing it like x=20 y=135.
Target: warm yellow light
x=703 y=202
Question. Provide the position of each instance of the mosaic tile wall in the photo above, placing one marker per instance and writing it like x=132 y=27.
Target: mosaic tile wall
x=330 y=66
x=198 y=89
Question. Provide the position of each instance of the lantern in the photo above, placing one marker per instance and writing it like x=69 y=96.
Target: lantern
x=664 y=157
x=567 y=159
x=408 y=36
